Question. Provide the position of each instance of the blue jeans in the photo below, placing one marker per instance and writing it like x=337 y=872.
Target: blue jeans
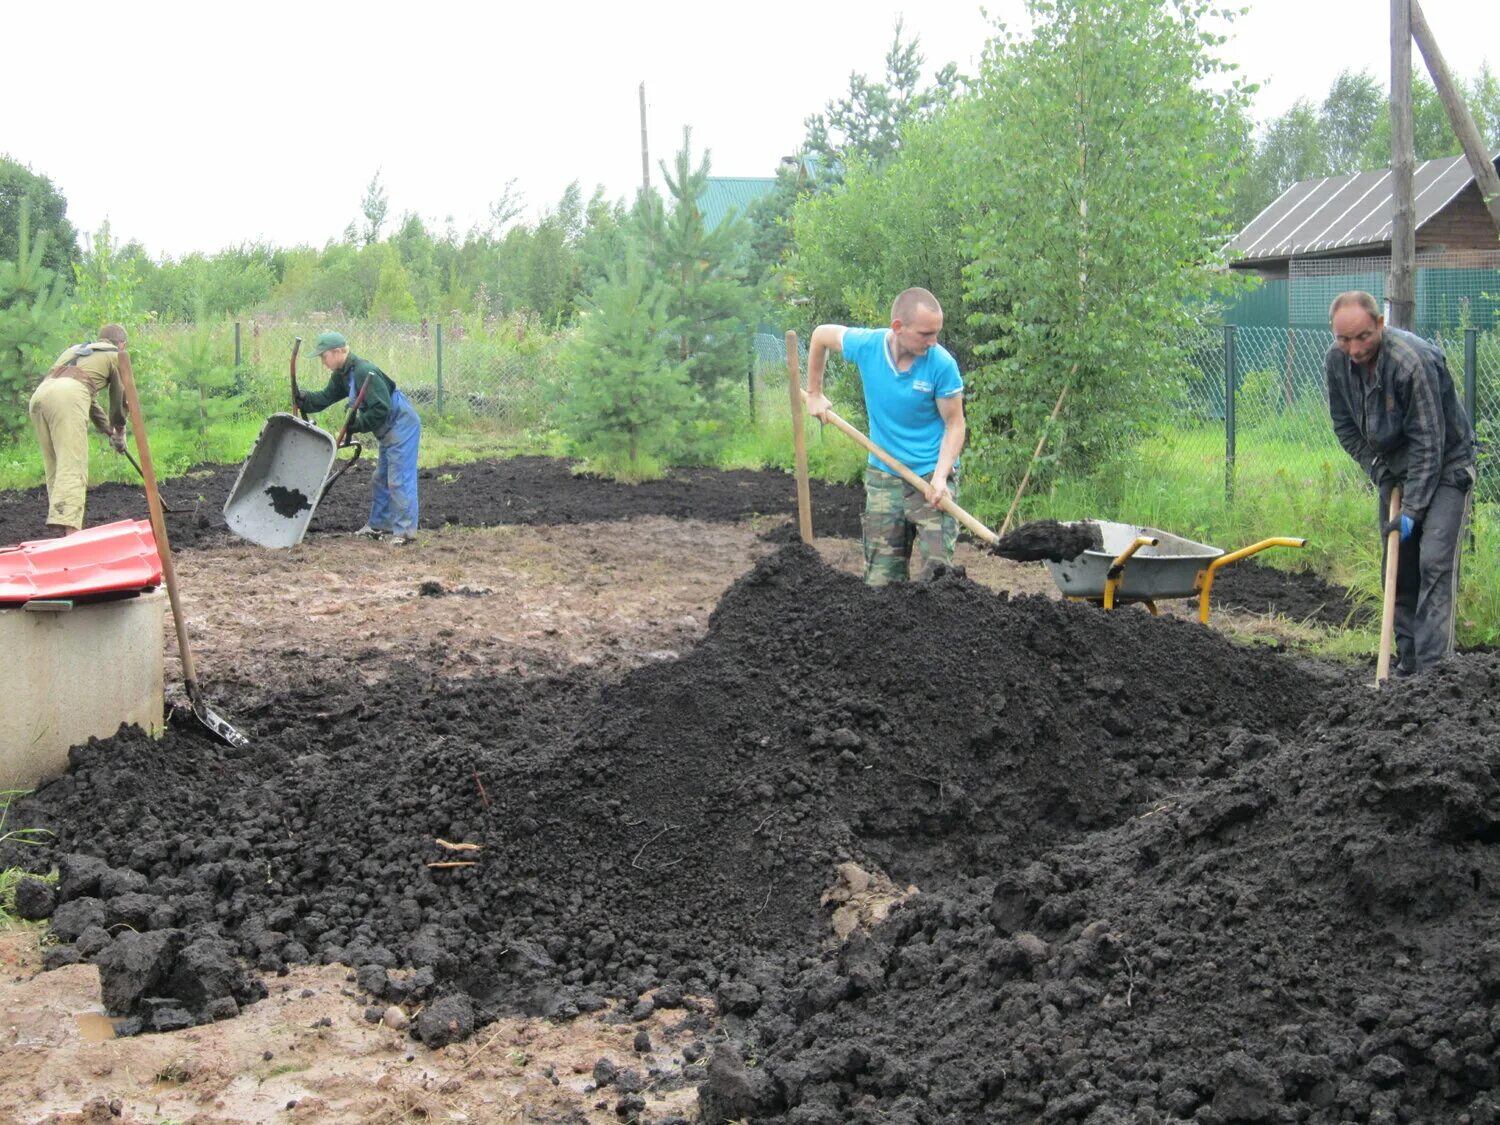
x=394 y=505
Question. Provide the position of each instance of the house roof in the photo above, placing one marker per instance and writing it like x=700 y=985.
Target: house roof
x=726 y=193
x=1345 y=213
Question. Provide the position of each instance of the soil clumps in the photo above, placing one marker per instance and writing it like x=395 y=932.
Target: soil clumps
x=1042 y=540
x=1161 y=877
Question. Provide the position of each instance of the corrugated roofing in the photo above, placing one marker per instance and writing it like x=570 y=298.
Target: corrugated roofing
x=726 y=193
x=110 y=558
x=1346 y=212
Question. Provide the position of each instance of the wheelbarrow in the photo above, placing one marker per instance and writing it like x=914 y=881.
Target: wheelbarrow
x=1144 y=565
x=288 y=473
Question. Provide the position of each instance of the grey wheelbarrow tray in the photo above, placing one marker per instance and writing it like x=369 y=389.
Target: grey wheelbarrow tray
x=281 y=482
x=1143 y=564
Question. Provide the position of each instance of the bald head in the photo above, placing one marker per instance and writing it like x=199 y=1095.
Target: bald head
x=904 y=308
x=1355 y=299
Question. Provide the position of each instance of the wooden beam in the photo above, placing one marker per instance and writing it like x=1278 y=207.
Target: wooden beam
x=1458 y=115
x=1401 y=289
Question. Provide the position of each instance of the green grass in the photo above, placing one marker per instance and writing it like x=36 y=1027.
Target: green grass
x=174 y=453
x=768 y=445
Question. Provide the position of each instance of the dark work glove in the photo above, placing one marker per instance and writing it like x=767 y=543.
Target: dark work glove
x=1402 y=523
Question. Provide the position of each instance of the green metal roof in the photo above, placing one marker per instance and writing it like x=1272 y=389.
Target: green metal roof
x=731 y=193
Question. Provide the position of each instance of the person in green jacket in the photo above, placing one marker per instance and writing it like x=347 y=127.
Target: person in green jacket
x=388 y=415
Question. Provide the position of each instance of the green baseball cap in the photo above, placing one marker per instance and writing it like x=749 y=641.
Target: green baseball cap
x=327 y=341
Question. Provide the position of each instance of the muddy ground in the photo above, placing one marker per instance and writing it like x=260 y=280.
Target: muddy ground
x=665 y=779
x=542 y=491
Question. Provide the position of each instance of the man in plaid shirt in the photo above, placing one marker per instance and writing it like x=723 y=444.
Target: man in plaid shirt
x=1396 y=412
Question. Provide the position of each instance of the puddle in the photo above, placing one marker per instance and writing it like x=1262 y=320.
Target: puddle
x=95 y=1027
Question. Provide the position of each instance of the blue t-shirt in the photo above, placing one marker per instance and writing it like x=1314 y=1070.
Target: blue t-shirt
x=902 y=405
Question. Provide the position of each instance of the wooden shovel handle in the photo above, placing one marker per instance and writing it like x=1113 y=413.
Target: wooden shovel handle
x=158 y=523
x=948 y=504
x=1388 y=605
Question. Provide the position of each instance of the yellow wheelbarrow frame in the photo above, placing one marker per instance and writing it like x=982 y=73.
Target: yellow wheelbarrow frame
x=1173 y=567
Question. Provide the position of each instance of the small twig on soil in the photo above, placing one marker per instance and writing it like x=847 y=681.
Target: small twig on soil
x=1130 y=987
x=634 y=862
x=766 y=901
x=773 y=813
x=483 y=796
x=468 y=1062
x=455 y=863
x=445 y=844
x=1159 y=807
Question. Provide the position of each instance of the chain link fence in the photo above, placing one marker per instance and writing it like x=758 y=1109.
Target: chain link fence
x=508 y=376
x=1278 y=414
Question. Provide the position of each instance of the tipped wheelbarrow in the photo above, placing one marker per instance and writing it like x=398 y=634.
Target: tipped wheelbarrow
x=1142 y=564
x=288 y=473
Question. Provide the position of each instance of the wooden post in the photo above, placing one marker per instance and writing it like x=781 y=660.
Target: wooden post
x=1401 y=289
x=645 y=153
x=799 y=440
x=1459 y=117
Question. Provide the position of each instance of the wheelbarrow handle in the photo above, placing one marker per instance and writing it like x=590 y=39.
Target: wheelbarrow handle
x=354 y=406
x=1206 y=579
x=948 y=504
x=296 y=394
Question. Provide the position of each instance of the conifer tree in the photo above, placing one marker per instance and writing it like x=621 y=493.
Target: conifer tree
x=703 y=272
x=628 y=396
x=33 y=304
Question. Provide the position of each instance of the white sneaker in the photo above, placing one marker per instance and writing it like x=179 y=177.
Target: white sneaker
x=401 y=540
x=368 y=532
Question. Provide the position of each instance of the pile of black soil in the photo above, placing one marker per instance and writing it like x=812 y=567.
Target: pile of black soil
x=1298 y=595
x=1163 y=877
x=1308 y=933
x=522 y=490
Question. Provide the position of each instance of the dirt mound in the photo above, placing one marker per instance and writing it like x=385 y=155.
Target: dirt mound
x=1307 y=935
x=697 y=804
x=521 y=490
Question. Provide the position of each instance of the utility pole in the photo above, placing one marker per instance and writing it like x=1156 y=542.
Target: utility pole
x=1401 y=289
x=645 y=152
x=1458 y=115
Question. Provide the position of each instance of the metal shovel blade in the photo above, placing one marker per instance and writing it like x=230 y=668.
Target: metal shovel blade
x=219 y=726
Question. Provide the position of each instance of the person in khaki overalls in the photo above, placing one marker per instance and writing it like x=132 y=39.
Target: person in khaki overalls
x=61 y=409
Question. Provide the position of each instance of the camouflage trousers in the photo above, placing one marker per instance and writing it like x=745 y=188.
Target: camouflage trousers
x=897 y=517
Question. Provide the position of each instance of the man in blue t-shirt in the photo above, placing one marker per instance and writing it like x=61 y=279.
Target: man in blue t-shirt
x=914 y=397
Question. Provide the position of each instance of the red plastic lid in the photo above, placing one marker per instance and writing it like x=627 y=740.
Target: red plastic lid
x=108 y=559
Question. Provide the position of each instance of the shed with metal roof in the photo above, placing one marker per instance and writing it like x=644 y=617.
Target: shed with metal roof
x=1351 y=216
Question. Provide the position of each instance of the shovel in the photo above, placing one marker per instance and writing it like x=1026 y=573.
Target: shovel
x=217 y=725
x=1388 y=606
x=1028 y=543
x=164 y=505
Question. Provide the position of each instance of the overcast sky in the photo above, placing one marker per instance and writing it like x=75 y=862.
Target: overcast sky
x=230 y=123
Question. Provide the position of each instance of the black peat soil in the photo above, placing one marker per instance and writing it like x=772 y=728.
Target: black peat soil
x=1298 y=595
x=545 y=491
x=1164 y=878
x=521 y=490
